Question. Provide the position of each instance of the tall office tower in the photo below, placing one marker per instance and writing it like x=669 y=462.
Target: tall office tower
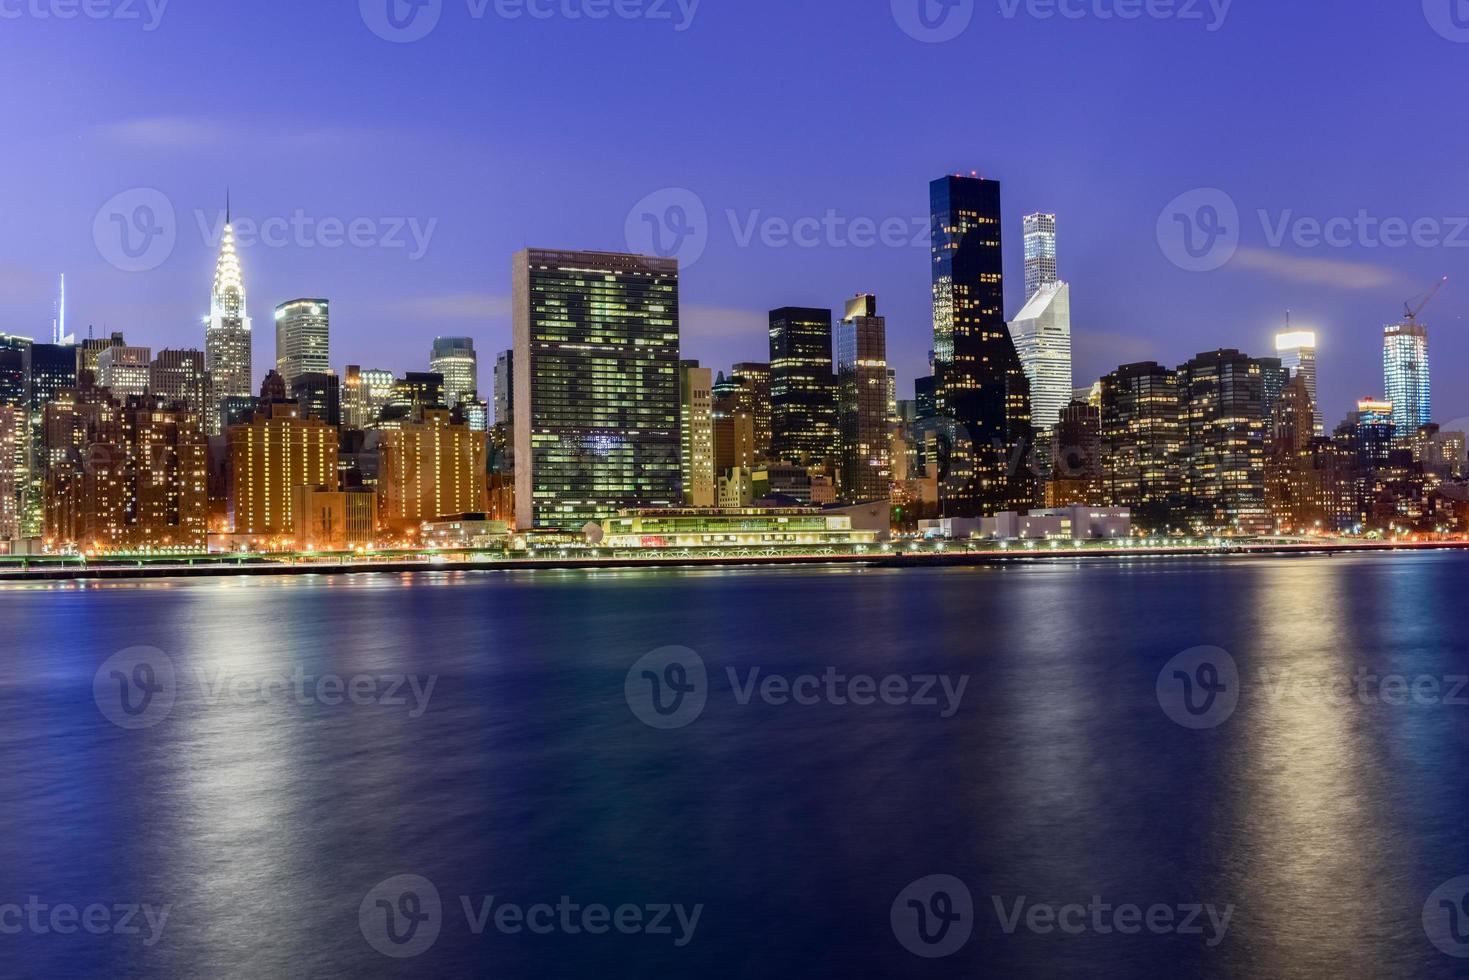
x=1373 y=428
x=365 y=393
x=353 y=398
x=413 y=391
x=475 y=412
x=1405 y=375
x=754 y=380
x=276 y=452
x=1076 y=458
x=14 y=366
x=803 y=424
x=734 y=430
x=320 y=396
x=926 y=396
x=455 y=359
x=1091 y=394
x=227 y=336
x=125 y=371
x=178 y=377
x=1227 y=408
x=1297 y=350
x=14 y=473
x=429 y=467
x=983 y=394
x=696 y=434
x=864 y=391
x=505 y=388
x=1303 y=482
x=50 y=370
x=1042 y=335
x=302 y=338
x=146 y=488
x=1142 y=441
x=596 y=386
x=1040 y=253
x=69 y=426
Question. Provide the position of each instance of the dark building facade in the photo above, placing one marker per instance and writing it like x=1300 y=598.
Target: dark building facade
x=803 y=418
x=983 y=393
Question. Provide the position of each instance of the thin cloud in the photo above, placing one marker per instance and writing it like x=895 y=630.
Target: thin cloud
x=1316 y=271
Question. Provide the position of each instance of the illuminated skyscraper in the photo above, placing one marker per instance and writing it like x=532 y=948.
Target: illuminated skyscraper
x=983 y=394
x=429 y=468
x=125 y=371
x=1040 y=253
x=1297 y=350
x=177 y=377
x=276 y=452
x=862 y=402
x=1042 y=335
x=302 y=338
x=803 y=422
x=696 y=434
x=1228 y=402
x=455 y=359
x=227 y=336
x=1143 y=432
x=596 y=386
x=505 y=388
x=754 y=381
x=1405 y=375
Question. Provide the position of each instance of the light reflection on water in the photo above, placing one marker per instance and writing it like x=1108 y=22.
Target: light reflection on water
x=1325 y=823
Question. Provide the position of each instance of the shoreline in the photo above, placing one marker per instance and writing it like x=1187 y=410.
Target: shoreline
x=916 y=559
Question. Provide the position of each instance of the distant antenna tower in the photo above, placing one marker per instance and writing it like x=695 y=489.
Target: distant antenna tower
x=58 y=323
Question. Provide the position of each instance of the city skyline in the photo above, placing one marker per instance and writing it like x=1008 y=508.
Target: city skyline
x=1130 y=297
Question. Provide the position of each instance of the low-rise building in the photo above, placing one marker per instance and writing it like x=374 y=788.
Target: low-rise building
x=335 y=520
x=742 y=527
x=466 y=531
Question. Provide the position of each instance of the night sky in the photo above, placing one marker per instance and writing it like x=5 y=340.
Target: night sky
x=501 y=133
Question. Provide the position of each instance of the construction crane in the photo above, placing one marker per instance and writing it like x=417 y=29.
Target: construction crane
x=1411 y=309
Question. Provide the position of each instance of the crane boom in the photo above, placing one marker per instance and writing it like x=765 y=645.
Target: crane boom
x=1411 y=310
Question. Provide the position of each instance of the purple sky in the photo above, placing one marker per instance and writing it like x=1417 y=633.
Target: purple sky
x=512 y=132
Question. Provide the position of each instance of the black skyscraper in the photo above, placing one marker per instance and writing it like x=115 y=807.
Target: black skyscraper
x=983 y=394
x=803 y=418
